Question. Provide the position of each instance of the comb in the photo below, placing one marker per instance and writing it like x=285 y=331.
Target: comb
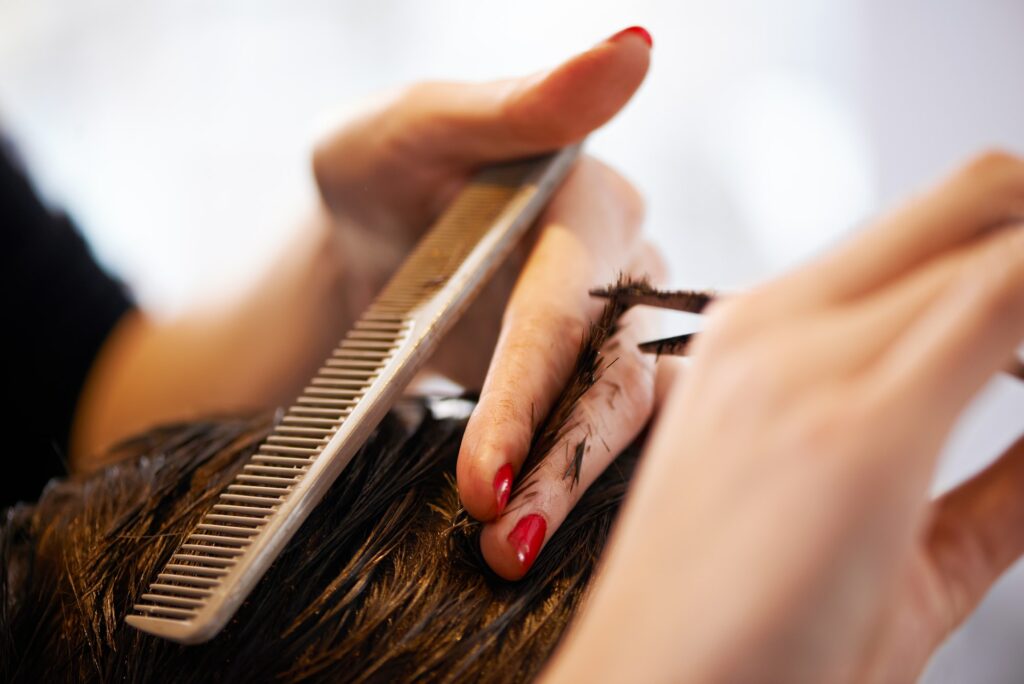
x=212 y=571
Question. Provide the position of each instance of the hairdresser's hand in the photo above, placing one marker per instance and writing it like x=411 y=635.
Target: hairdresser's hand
x=394 y=164
x=391 y=169
x=781 y=529
x=590 y=234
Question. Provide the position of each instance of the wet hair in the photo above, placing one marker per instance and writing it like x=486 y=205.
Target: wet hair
x=384 y=581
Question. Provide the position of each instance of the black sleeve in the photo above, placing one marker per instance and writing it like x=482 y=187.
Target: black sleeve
x=58 y=306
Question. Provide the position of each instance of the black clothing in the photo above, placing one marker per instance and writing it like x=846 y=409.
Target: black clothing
x=57 y=307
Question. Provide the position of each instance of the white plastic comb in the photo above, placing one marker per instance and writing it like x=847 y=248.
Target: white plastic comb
x=219 y=563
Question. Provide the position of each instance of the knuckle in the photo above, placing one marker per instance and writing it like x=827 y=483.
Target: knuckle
x=405 y=120
x=628 y=394
x=373 y=125
x=637 y=403
x=614 y=207
x=995 y=170
x=992 y=162
x=622 y=198
x=632 y=363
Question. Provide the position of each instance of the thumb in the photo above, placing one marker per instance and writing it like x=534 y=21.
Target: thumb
x=478 y=123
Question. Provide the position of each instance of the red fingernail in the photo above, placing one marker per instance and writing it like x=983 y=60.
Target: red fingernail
x=526 y=539
x=636 y=31
x=503 y=486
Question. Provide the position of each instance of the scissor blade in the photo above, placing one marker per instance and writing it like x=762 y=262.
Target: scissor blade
x=668 y=346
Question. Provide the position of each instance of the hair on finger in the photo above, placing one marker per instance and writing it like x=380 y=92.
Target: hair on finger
x=591 y=363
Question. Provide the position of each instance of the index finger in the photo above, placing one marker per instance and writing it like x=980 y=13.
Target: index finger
x=984 y=194
x=588 y=234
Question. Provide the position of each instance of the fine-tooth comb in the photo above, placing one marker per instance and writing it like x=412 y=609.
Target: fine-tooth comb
x=218 y=564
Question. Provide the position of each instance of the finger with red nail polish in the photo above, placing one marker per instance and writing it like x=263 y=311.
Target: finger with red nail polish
x=585 y=242
x=603 y=423
x=589 y=234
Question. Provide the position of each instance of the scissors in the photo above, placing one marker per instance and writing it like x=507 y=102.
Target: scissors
x=691 y=301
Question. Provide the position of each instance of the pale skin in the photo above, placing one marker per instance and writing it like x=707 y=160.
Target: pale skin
x=383 y=176
x=782 y=512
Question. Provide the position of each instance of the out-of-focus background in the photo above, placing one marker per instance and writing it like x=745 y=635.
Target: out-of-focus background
x=178 y=135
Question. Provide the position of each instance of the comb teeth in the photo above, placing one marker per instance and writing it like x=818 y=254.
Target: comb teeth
x=269 y=477
x=222 y=559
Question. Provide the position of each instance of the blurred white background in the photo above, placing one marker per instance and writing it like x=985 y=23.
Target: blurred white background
x=178 y=134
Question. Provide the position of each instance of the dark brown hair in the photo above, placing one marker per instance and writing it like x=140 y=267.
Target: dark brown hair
x=384 y=582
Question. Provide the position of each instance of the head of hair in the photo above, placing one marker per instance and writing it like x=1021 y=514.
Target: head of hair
x=383 y=582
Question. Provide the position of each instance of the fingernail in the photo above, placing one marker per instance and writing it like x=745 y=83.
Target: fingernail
x=526 y=539
x=636 y=31
x=503 y=486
